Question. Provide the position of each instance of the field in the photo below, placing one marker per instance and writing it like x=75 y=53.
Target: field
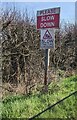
x=26 y=106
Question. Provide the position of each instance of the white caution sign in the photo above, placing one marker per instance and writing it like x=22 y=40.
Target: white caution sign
x=47 y=38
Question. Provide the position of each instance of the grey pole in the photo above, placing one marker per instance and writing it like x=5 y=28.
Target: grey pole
x=46 y=67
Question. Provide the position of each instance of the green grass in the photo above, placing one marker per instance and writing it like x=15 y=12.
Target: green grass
x=27 y=106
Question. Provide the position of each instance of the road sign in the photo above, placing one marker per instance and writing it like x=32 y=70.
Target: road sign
x=48 y=18
x=47 y=35
x=47 y=38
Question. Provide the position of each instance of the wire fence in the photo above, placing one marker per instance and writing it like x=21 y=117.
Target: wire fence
x=52 y=106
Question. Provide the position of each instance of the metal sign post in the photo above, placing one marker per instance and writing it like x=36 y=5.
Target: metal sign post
x=47 y=42
x=47 y=21
x=46 y=65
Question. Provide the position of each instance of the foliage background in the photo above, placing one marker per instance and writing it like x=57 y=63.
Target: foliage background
x=23 y=60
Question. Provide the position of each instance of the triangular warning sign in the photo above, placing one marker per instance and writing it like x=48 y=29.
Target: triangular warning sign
x=47 y=35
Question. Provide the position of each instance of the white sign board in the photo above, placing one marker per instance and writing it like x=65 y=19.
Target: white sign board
x=47 y=38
